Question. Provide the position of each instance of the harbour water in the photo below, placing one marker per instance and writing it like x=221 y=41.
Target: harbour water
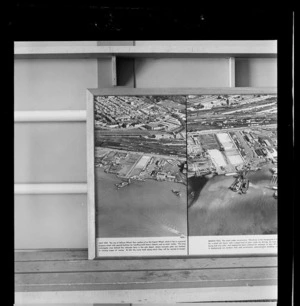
x=140 y=209
x=216 y=210
x=151 y=209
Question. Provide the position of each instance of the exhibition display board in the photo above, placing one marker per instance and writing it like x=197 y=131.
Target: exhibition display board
x=179 y=172
x=68 y=214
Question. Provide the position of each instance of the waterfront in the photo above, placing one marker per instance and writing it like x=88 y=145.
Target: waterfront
x=216 y=210
x=141 y=138
x=141 y=209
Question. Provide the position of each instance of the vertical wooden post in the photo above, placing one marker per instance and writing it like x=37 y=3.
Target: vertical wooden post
x=134 y=74
x=115 y=43
x=114 y=70
x=231 y=72
x=91 y=176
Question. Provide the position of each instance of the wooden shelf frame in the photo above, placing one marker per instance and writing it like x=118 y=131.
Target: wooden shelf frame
x=80 y=115
x=67 y=276
x=205 y=49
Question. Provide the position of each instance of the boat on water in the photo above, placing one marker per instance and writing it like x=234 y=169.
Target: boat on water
x=245 y=186
x=241 y=184
x=235 y=186
x=122 y=184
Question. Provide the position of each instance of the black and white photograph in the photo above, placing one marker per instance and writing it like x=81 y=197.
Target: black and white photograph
x=150 y=171
x=140 y=160
x=197 y=167
x=232 y=165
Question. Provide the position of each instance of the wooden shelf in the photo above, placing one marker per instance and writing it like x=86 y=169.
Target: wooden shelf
x=40 y=188
x=208 y=49
x=50 y=116
x=68 y=276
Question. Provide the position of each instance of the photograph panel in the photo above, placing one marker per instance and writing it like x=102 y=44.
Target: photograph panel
x=232 y=167
x=140 y=168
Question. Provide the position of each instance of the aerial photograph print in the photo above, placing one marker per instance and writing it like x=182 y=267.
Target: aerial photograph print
x=232 y=164
x=140 y=166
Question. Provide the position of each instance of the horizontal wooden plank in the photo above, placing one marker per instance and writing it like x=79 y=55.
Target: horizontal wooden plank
x=51 y=254
x=82 y=254
x=145 y=285
x=258 y=48
x=49 y=116
x=80 y=115
x=138 y=54
x=182 y=91
x=145 y=279
x=63 y=188
x=73 y=265
x=63 y=304
x=114 y=277
x=55 y=43
x=227 y=303
x=178 y=295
